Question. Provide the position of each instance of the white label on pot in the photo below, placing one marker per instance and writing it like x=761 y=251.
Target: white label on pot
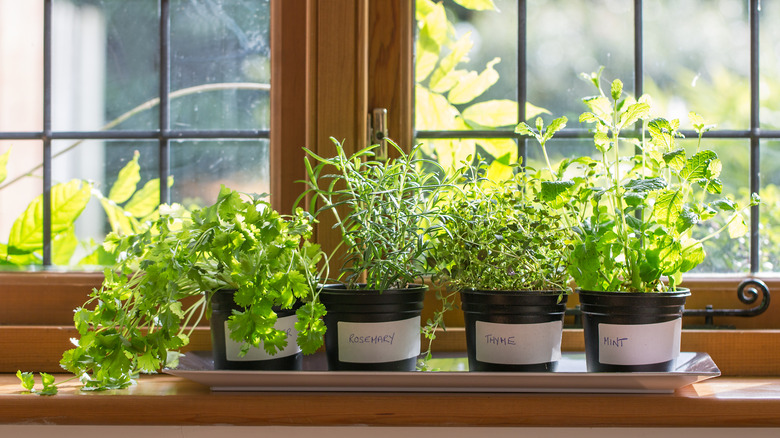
x=518 y=344
x=375 y=342
x=639 y=344
x=285 y=324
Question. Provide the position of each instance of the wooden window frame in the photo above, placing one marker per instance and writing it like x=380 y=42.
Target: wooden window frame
x=332 y=61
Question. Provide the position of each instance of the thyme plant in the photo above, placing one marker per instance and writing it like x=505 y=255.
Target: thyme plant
x=500 y=235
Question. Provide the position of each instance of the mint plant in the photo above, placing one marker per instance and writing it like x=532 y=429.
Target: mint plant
x=639 y=211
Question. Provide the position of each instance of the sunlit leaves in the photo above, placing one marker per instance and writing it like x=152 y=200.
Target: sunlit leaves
x=128 y=178
x=646 y=184
x=145 y=201
x=500 y=147
x=446 y=76
x=600 y=110
x=474 y=85
x=4 y=165
x=699 y=124
x=616 y=89
x=310 y=326
x=27 y=381
x=477 y=5
x=737 y=227
x=703 y=165
x=675 y=159
x=667 y=207
x=68 y=201
x=434 y=111
x=647 y=208
x=556 y=193
x=495 y=237
x=633 y=113
x=63 y=246
x=136 y=322
x=431 y=38
x=501 y=169
x=492 y=113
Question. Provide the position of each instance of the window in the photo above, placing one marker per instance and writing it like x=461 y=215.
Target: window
x=333 y=61
x=179 y=90
x=716 y=58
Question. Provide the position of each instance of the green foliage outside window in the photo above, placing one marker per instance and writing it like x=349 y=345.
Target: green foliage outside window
x=127 y=207
x=719 y=94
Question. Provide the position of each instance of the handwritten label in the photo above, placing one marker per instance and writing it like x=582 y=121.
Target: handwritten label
x=285 y=324
x=639 y=344
x=373 y=342
x=518 y=344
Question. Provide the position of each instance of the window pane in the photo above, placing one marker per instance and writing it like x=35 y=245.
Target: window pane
x=224 y=44
x=567 y=38
x=200 y=167
x=104 y=63
x=21 y=65
x=769 y=85
x=697 y=58
x=120 y=202
x=466 y=71
x=769 y=212
x=15 y=198
x=724 y=254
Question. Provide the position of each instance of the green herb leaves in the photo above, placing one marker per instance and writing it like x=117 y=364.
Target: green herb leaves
x=155 y=295
x=641 y=230
x=28 y=383
x=385 y=211
x=496 y=235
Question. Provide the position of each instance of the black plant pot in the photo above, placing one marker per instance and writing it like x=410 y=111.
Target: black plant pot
x=371 y=330
x=225 y=350
x=513 y=330
x=632 y=332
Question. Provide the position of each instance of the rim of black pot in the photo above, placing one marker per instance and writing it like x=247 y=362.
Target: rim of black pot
x=679 y=292
x=339 y=288
x=515 y=292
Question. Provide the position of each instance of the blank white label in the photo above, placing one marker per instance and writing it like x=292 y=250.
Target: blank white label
x=639 y=344
x=518 y=344
x=285 y=324
x=375 y=342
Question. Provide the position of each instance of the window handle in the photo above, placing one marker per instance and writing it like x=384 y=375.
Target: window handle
x=377 y=127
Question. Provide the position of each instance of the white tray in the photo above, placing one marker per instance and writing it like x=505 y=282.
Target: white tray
x=570 y=376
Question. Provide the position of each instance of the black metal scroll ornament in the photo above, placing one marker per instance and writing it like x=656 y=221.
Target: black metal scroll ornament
x=748 y=293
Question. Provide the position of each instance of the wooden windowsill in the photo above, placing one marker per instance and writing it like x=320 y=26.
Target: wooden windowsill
x=168 y=400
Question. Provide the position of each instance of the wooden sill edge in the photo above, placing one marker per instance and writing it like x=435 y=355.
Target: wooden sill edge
x=735 y=352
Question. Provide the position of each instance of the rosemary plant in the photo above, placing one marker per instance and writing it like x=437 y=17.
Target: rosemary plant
x=385 y=211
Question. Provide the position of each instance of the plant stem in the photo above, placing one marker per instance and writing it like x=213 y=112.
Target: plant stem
x=716 y=232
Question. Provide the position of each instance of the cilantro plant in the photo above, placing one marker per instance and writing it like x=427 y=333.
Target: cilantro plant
x=385 y=211
x=158 y=291
x=640 y=213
